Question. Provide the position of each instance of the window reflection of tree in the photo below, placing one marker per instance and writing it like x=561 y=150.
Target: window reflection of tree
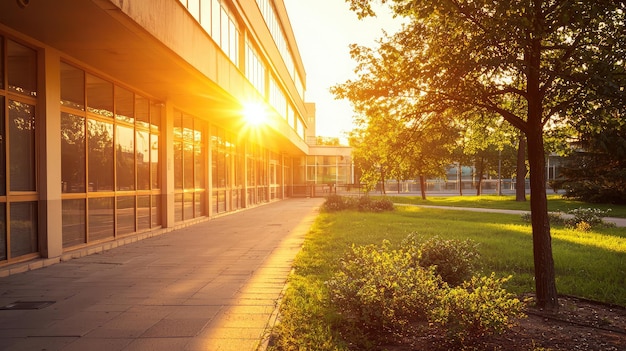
x=100 y=156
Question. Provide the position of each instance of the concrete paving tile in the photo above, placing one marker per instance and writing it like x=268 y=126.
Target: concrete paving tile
x=176 y=328
x=159 y=344
x=77 y=325
x=98 y=344
x=30 y=344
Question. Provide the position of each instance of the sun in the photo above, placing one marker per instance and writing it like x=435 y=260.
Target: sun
x=254 y=113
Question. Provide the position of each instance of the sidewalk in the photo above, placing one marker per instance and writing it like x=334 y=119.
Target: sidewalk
x=212 y=286
x=620 y=222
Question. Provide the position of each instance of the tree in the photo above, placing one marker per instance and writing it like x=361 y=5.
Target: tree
x=596 y=170
x=550 y=59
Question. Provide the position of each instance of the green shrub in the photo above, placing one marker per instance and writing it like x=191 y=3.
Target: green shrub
x=477 y=308
x=383 y=291
x=335 y=203
x=591 y=216
x=388 y=293
x=454 y=260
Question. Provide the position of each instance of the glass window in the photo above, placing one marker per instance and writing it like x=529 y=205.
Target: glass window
x=125 y=215
x=178 y=207
x=124 y=105
x=72 y=87
x=99 y=96
x=188 y=206
x=3 y=231
x=200 y=204
x=215 y=21
x=23 y=228
x=125 y=157
x=22 y=150
x=101 y=218
x=142 y=111
x=72 y=153
x=100 y=156
x=188 y=165
x=74 y=222
x=21 y=68
x=154 y=161
x=1 y=73
x=3 y=189
x=143 y=160
x=194 y=8
x=156 y=210
x=178 y=165
x=205 y=15
x=155 y=115
x=143 y=212
x=199 y=161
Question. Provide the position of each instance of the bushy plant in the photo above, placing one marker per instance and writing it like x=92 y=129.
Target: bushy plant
x=382 y=290
x=388 y=292
x=478 y=307
x=454 y=261
x=335 y=203
x=591 y=216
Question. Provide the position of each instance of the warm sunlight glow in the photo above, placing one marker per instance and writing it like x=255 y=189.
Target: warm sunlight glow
x=254 y=113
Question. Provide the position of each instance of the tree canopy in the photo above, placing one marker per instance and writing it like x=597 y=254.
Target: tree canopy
x=534 y=63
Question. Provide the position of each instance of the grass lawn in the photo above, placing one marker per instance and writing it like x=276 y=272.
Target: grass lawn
x=556 y=203
x=588 y=264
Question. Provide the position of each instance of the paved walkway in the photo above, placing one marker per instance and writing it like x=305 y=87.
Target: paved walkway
x=620 y=222
x=212 y=286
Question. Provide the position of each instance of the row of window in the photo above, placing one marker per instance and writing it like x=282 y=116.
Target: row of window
x=18 y=172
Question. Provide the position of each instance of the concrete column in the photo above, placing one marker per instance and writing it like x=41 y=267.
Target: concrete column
x=49 y=124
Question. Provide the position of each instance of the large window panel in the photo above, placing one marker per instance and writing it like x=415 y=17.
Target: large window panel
x=125 y=157
x=72 y=87
x=100 y=155
x=178 y=165
x=3 y=232
x=99 y=96
x=125 y=215
x=3 y=189
x=124 y=105
x=22 y=150
x=21 y=68
x=142 y=111
x=73 y=163
x=156 y=210
x=154 y=162
x=188 y=165
x=23 y=228
x=143 y=212
x=101 y=218
x=156 y=110
x=143 y=160
x=74 y=218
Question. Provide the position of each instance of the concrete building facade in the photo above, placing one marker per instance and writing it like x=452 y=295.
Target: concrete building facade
x=122 y=119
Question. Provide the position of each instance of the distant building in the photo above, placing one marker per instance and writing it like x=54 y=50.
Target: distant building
x=121 y=119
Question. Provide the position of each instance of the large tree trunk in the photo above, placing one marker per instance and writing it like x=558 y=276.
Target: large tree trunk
x=423 y=186
x=545 y=282
x=520 y=181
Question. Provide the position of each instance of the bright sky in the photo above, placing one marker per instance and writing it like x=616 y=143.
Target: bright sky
x=324 y=29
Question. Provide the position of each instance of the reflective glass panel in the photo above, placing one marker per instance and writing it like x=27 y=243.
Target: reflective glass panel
x=22 y=150
x=199 y=161
x=154 y=161
x=21 y=68
x=178 y=207
x=156 y=210
x=73 y=165
x=125 y=215
x=178 y=165
x=188 y=206
x=142 y=111
x=100 y=218
x=124 y=105
x=143 y=212
x=3 y=231
x=188 y=165
x=74 y=222
x=143 y=160
x=125 y=149
x=72 y=87
x=23 y=228
x=3 y=139
x=200 y=203
x=100 y=155
x=99 y=96
x=155 y=115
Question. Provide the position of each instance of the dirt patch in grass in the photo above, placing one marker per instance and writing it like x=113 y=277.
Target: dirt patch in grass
x=579 y=325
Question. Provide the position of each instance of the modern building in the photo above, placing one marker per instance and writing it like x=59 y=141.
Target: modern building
x=120 y=119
